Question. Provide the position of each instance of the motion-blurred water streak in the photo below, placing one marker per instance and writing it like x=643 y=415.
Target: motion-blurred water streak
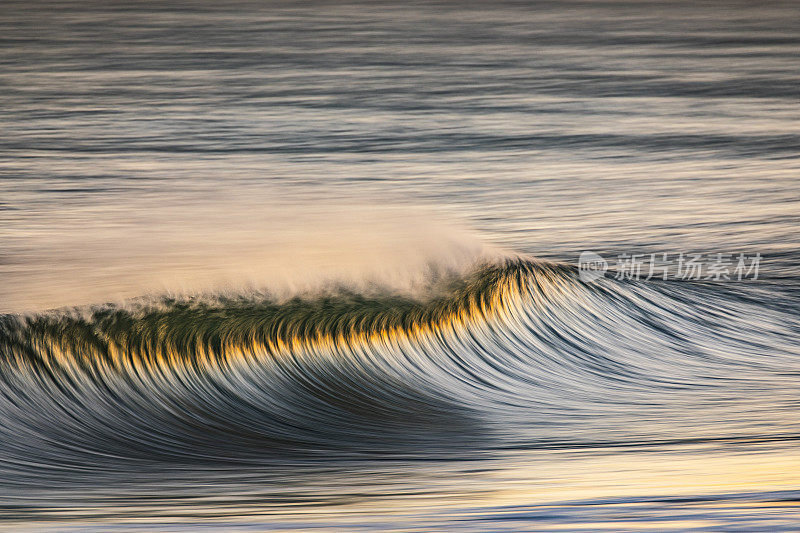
x=278 y=265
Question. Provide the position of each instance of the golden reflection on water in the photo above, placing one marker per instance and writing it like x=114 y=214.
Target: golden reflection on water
x=677 y=487
x=700 y=479
x=692 y=470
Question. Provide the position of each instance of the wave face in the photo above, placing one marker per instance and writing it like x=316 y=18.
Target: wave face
x=518 y=354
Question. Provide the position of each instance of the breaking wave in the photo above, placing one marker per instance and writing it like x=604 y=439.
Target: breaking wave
x=517 y=353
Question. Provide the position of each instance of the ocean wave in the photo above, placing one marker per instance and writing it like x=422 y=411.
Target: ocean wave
x=517 y=353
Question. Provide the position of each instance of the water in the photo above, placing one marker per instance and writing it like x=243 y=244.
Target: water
x=291 y=266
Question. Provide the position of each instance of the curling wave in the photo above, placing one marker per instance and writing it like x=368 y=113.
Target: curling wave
x=519 y=353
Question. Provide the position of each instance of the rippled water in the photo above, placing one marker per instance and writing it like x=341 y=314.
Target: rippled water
x=291 y=266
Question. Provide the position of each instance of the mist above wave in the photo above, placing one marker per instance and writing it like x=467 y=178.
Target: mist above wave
x=237 y=246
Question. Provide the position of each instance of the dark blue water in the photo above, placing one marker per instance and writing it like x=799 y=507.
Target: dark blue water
x=313 y=265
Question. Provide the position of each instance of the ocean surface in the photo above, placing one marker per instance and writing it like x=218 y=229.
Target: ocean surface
x=315 y=266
